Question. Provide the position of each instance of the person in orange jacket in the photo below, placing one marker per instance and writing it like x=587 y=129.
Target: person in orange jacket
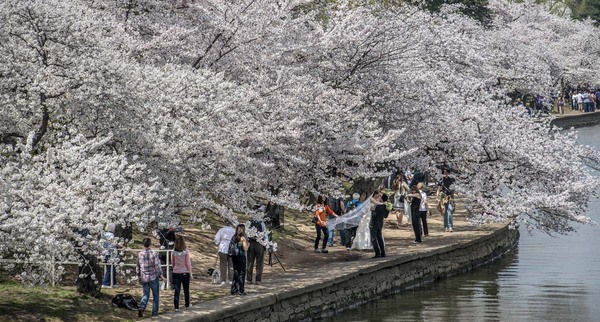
x=322 y=209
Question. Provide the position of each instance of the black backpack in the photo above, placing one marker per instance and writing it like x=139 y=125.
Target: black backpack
x=234 y=250
x=351 y=206
x=126 y=301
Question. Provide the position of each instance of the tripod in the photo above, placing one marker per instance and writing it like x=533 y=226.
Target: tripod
x=271 y=252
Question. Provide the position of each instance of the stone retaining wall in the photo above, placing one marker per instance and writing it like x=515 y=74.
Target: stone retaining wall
x=385 y=276
x=581 y=120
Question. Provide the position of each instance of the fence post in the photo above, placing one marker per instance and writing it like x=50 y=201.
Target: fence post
x=168 y=271
x=111 y=273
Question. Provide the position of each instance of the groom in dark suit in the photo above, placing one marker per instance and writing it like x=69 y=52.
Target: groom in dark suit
x=377 y=218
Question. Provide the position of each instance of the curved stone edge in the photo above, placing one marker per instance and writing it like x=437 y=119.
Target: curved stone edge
x=581 y=120
x=370 y=280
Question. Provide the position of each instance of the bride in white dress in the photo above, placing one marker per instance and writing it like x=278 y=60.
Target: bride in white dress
x=362 y=241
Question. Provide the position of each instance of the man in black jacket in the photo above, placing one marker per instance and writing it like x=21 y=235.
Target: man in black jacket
x=258 y=240
x=377 y=218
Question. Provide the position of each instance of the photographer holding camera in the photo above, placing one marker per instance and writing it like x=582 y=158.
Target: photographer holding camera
x=258 y=239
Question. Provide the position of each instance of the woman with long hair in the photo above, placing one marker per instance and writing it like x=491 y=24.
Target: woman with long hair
x=182 y=271
x=401 y=189
x=240 y=241
x=321 y=211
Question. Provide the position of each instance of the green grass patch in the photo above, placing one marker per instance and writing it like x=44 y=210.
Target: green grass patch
x=22 y=303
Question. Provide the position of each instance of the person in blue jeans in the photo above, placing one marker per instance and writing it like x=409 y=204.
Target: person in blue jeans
x=348 y=234
x=448 y=215
x=446 y=198
x=149 y=273
x=337 y=205
x=109 y=254
x=182 y=272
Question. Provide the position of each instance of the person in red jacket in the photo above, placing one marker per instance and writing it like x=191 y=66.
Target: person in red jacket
x=322 y=209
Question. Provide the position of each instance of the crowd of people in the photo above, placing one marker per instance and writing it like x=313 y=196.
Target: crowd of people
x=585 y=100
x=359 y=220
x=582 y=99
x=238 y=254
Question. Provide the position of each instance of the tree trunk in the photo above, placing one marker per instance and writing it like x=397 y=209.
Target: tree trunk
x=85 y=284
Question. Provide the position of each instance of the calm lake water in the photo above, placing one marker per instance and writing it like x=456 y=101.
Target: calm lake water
x=544 y=279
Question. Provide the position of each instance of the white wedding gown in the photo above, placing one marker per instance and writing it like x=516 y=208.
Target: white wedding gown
x=360 y=216
x=362 y=240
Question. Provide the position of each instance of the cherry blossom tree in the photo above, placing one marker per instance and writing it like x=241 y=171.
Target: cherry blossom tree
x=55 y=203
x=213 y=142
x=457 y=114
x=117 y=112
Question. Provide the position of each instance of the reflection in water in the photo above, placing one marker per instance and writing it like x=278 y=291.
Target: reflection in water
x=470 y=296
x=545 y=279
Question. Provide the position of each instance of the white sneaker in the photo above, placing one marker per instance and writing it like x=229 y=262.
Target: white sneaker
x=222 y=283
x=230 y=283
x=106 y=286
x=450 y=229
x=187 y=307
x=446 y=229
x=176 y=310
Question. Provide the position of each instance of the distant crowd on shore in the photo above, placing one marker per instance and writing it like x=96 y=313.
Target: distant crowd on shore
x=583 y=100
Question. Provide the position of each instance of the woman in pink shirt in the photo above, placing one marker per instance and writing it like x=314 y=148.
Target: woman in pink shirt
x=182 y=271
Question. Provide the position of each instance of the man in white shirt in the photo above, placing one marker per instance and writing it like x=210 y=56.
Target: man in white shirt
x=222 y=238
x=579 y=98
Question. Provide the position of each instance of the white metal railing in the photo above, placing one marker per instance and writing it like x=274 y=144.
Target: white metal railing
x=53 y=264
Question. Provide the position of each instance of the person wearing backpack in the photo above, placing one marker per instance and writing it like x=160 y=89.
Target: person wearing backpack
x=401 y=189
x=351 y=233
x=258 y=240
x=237 y=250
x=222 y=239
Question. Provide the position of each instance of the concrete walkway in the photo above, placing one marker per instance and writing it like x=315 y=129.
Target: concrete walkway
x=317 y=269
